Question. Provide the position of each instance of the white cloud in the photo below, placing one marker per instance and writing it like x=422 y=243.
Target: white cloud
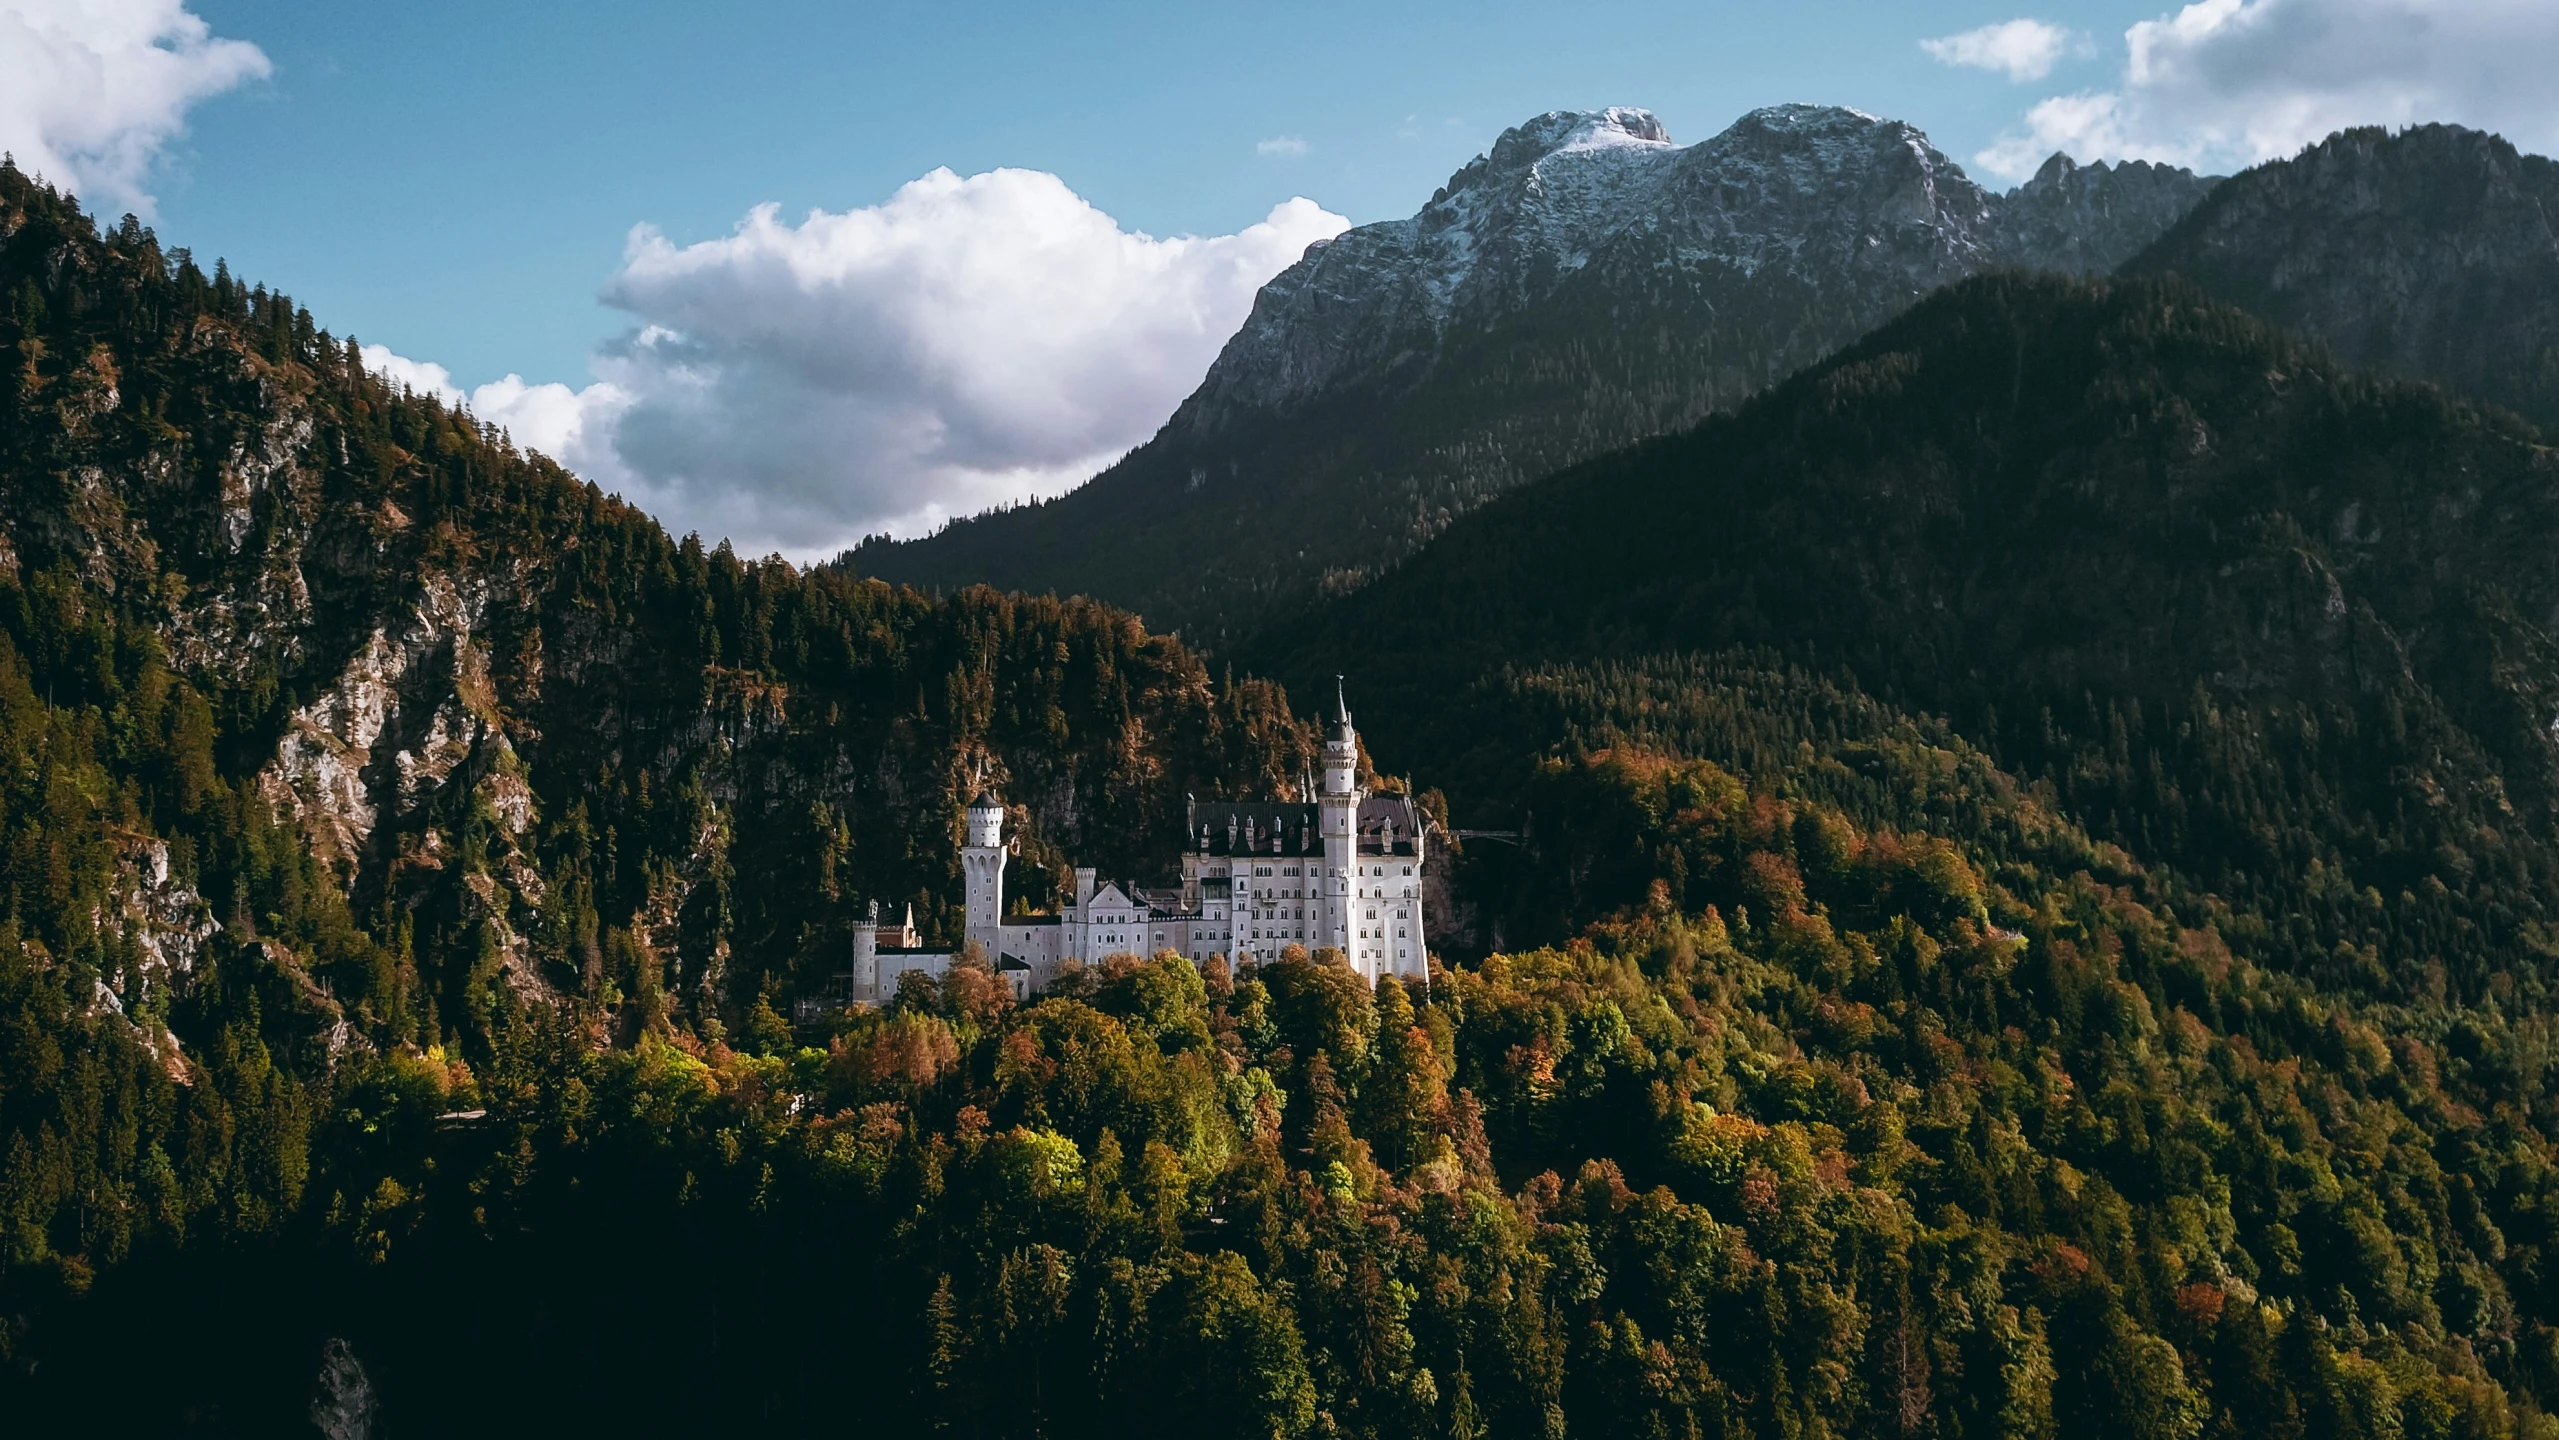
x=2021 y=49
x=92 y=90
x=968 y=342
x=574 y=427
x=2223 y=84
x=1280 y=145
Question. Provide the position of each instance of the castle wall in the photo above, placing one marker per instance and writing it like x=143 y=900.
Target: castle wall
x=1256 y=879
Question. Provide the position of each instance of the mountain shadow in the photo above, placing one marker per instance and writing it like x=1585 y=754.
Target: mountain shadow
x=2276 y=622
x=2432 y=253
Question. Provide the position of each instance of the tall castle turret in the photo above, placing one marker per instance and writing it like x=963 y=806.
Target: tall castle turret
x=1338 y=808
x=982 y=863
x=866 y=955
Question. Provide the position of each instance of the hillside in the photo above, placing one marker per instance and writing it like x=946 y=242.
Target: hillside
x=473 y=683
x=1583 y=284
x=2251 y=614
x=2431 y=253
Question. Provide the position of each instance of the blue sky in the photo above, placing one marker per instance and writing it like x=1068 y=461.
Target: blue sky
x=456 y=181
x=792 y=272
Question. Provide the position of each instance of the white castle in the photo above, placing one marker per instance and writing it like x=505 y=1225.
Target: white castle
x=1344 y=871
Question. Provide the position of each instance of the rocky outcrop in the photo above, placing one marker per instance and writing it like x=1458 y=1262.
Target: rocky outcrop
x=2088 y=219
x=406 y=683
x=344 y=1405
x=2431 y=253
x=167 y=921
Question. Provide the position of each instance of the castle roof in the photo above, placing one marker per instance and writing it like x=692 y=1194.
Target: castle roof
x=1111 y=897
x=1388 y=825
x=1385 y=825
x=1255 y=827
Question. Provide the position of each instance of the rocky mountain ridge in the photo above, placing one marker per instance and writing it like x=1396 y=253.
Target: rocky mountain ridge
x=2432 y=252
x=1819 y=192
x=1584 y=283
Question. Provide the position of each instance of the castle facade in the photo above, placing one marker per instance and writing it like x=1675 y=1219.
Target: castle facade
x=1343 y=871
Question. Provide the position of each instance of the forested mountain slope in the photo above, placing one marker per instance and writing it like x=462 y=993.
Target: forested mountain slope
x=2431 y=253
x=400 y=838
x=2279 y=625
x=1583 y=284
x=503 y=712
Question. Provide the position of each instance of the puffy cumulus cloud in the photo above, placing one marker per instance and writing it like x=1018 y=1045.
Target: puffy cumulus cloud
x=2020 y=49
x=574 y=427
x=968 y=342
x=2223 y=84
x=91 y=90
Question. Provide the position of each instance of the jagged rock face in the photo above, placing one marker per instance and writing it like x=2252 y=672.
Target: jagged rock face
x=2089 y=219
x=343 y=1403
x=1501 y=235
x=1583 y=284
x=284 y=561
x=2433 y=253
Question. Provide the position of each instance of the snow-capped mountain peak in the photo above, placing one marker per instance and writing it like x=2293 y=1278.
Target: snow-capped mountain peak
x=1820 y=192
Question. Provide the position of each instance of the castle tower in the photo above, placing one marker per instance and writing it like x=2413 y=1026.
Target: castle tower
x=866 y=956
x=1338 y=808
x=982 y=863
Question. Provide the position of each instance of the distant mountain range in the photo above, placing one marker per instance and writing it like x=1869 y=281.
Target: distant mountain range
x=1584 y=284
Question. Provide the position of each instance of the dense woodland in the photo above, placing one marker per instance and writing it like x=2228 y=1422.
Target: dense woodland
x=1815 y=1069
x=2270 y=622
